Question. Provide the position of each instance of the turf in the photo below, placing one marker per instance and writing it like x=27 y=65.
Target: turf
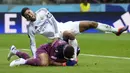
x=97 y=44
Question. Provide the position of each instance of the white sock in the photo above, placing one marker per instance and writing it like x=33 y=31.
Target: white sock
x=23 y=62
x=19 y=61
x=75 y=45
x=15 y=50
x=106 y=28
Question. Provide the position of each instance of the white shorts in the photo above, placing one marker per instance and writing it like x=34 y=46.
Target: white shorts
x=69 y=26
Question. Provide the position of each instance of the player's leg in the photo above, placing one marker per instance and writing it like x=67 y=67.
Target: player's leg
x=41 y=60
x=84 y=25
x=44 y=57
x=30 y=61
x=14 y=51
x=22 y=55
x=33 y=62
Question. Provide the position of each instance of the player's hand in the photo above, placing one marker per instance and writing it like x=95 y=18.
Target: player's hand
x=70 y=63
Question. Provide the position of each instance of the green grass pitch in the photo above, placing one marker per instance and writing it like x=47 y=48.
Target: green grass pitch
x=97 y=44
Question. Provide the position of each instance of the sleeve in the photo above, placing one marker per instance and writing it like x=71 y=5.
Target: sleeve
x=54 y=24
x=52 y=21
x=31 y=36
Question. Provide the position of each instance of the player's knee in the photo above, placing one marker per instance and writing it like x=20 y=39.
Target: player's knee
x=68 y=35
x=84 y=25
x=93 y=24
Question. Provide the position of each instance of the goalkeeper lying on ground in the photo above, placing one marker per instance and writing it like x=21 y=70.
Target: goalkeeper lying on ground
x=59 y=53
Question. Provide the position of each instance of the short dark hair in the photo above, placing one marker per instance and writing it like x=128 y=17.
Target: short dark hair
x=23 y=10
x=69 y=51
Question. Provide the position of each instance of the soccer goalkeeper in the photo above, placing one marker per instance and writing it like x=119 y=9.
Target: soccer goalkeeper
x=58 y=54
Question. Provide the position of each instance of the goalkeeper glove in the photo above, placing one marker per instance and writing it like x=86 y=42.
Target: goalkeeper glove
x=69 y=63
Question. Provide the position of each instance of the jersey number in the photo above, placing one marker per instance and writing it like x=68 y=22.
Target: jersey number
x=49 y=15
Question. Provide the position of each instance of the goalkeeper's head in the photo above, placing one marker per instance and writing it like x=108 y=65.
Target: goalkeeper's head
x=64 y=49
x=68 y=51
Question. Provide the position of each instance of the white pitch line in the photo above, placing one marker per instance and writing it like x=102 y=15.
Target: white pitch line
x=26 y=49
x=102 y=56
x=92 y=55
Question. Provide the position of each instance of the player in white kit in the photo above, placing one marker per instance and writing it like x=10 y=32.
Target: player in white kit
x=43 y=22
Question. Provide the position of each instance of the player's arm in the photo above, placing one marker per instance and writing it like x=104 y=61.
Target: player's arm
x=56 y=63
x=68 y=63
x=31 y=36
x=54 y=23
x=44 y=12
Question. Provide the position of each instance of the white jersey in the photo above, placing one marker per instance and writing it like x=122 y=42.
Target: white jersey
x=45 y=25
